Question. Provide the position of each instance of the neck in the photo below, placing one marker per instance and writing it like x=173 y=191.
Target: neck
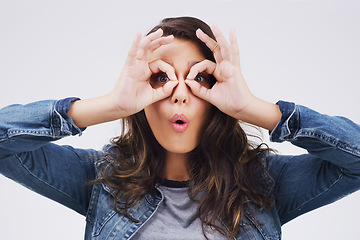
x=175 y=168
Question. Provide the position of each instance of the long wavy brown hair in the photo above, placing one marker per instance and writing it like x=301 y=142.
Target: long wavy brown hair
x=224 y=167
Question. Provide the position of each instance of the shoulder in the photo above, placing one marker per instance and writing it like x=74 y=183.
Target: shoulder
x=105 y=157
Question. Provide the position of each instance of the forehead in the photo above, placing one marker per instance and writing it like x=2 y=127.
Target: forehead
x=177 y=51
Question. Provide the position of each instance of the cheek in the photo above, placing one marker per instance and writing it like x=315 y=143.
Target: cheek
x=203 y=117
x=156 y=116
x=159 y=125
x=203 y=110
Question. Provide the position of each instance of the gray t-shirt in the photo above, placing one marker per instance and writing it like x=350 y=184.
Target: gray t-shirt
x=176 y=217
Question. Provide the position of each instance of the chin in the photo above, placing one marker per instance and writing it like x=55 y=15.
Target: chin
x=179 y=150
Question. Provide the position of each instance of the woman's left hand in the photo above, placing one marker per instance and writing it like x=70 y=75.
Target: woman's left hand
x=230 y=93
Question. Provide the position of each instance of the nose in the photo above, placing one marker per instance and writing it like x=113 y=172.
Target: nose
x=181 y=93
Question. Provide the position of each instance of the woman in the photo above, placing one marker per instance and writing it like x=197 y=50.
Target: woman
x=183 y=167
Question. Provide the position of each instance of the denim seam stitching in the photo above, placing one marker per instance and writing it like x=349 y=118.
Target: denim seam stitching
x=148 y=218
x=97 y=231
x=328 y=139
x=19 y=159
x=68 y=122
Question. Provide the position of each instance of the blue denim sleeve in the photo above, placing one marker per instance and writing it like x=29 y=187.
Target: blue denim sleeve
x=329 y=172
x=28 y=156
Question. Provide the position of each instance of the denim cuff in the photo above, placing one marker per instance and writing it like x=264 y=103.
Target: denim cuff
x=289 y=124
x=62 y=107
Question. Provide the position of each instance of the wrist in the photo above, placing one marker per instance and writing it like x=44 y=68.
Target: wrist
x=260 y=113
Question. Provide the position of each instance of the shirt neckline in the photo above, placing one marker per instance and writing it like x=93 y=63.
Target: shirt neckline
x=174 y=184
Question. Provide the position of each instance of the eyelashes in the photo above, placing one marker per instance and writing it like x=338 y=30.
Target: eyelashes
x=205 y=79
x=201 y=77
x=159 y=79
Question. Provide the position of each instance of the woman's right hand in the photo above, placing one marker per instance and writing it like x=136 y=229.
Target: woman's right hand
x=133 y=91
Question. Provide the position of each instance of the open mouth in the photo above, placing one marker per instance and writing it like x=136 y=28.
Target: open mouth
x=179 y=122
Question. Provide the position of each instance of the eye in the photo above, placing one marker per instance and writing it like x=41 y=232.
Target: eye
x=204 y=79
x=163 y=78
x=158 y=79
x=199 y=78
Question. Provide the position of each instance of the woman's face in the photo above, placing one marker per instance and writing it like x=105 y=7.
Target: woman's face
x=178 y=120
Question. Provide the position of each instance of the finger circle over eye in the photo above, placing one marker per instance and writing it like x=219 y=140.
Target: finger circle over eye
x=159 y=65
x=203 y=66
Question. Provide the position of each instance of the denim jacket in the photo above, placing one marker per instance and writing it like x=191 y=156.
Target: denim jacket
x=299 y=184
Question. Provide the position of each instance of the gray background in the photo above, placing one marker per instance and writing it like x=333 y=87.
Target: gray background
x=297 y=50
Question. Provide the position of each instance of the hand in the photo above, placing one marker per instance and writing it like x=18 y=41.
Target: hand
x=230 y=94
x=133 y=91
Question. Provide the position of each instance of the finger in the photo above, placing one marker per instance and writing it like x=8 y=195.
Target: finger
x=164 y=91
x=133 y=50
x=156 y=44
x=210 y=43
x=159 y=65
x=235 y=55
x=203 y=66
x=146 y=41
x=161 y=41
x=223 y=43
x=198 y=90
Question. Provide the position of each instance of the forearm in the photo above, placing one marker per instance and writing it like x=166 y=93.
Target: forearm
x=334 y=139
x=261 y=113
x=94 y=111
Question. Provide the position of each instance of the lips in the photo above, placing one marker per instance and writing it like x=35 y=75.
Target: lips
x=179 y=123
